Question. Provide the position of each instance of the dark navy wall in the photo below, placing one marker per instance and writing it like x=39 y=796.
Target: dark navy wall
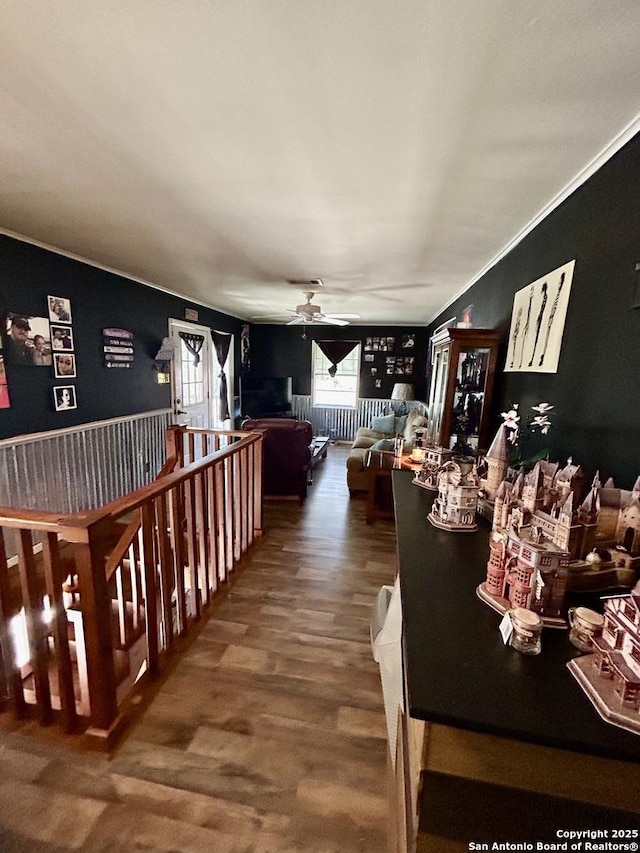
x=281 y=351
x=596 y=391
x=99 y=299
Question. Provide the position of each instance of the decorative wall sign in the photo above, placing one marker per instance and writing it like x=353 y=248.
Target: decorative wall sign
x=537 y=323
x=117 y=346
x=191 y=314
x=64 y=397
x=59 y=309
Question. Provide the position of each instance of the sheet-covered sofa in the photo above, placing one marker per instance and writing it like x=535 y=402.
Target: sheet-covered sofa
x=382 y=428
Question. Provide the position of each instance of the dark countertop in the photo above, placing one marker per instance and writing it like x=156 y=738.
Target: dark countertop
x=459 y=672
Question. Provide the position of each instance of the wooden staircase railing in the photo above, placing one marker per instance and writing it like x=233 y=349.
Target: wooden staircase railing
x=112 y=590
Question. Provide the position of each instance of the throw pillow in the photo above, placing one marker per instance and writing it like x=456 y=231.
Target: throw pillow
x=384 y=444
x=384 y=423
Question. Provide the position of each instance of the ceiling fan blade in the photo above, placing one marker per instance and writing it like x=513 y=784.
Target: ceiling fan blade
x=270 y=317
x=343 y=316
x=332 y=321
x=297 y=321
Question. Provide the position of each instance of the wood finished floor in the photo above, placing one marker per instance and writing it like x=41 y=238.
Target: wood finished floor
x=269 y=734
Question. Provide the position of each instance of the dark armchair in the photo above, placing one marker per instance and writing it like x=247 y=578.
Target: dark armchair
x=286 y=455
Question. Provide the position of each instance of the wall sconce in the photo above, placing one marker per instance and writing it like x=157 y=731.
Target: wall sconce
x=162 y=361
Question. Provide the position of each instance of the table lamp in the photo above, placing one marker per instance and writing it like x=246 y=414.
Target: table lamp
x=402 y=391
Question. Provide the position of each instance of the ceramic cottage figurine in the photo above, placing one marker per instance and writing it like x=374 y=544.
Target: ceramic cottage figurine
x=610 y=675
x=434 y=459
x=526 y=569
x=454 y=508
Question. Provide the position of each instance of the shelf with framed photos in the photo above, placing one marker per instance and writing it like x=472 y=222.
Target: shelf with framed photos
x=463 y=365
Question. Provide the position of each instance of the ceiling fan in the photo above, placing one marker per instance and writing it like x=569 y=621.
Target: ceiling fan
x=307 y=312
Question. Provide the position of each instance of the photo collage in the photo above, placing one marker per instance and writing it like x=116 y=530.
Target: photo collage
x=388 y=356
x=46 y=341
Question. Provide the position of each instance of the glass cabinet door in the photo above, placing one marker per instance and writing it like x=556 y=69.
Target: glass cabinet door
x=437 y=395
x=468 y=398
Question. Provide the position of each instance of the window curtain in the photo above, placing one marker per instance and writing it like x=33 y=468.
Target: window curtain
x=336 y=351
x=222 y=342
x=194 y=344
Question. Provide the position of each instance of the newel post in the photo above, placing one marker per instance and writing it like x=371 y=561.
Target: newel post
x=175 y=443
x=90 y=558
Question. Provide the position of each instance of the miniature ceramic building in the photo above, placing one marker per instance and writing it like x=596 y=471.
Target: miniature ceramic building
x=454 y=508
x=435 y=458
x=601 y=548
x=611 y=674
x=497 y=461
x=545 y=498
x=494 y=468
x=527 y=570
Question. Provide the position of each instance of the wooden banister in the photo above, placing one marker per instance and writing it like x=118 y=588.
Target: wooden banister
x=142 y=582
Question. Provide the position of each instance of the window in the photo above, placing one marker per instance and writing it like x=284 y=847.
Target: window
x=192 y=378
x=342 y=389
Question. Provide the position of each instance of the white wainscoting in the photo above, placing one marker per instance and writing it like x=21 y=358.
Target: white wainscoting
x=82 y=467
x=340 y=423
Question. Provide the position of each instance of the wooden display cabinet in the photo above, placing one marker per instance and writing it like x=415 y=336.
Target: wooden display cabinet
x=463 y=364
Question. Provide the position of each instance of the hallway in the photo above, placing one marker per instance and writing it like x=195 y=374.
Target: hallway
x=267 y=737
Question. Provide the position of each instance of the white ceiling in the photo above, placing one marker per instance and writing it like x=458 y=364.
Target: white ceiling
x=217 y=148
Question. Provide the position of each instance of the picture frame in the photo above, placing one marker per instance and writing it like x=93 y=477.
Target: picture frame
x=5 y=400
x=62 y=338
x=28 y=340
x=537 y=323
x=369 y=356
x=408 y=341
x=64 y=365
x=59 y=309
x=64 y=398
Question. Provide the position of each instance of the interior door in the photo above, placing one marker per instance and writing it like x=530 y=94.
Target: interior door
x=191 y=382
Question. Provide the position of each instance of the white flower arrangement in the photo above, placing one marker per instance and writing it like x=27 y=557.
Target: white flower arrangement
x=538 y=423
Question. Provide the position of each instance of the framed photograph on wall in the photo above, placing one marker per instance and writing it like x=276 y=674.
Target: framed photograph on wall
x=5 y=401
x=28 y=340
x=408 y=341
x=64 y=397
x=537 y=323
x=64 y=365
x=59 y=309
x=61 y=338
